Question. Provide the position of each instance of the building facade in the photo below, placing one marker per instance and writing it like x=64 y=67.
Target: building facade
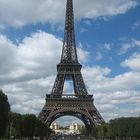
x=73 y=128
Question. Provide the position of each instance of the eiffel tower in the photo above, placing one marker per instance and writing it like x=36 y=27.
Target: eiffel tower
x=81 y=103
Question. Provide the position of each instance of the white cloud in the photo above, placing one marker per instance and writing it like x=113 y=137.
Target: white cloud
x=128 y=44
x=114 y=96
x=83 y=30
x=28 y=69
x=83 y=55
x=20 y=12
x=101 y=82
x=108 y=46
x=136 y=42
x=125 y=48
x=30 y=59
x=7 y=48
x=132 y=62
x=87 y=22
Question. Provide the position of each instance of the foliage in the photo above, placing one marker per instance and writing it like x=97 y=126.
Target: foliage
x=42 y=130
x=94 y=132
x=26 y=126
x=4 y=110
x=83 y=130
x=125 y=127
x=103 y=130
x=121 y=127
x=15 y=123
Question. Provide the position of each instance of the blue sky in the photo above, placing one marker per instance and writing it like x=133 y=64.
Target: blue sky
x=108 y=43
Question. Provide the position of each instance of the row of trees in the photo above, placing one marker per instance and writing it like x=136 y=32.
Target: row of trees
x=125 y=127
x=4 y=110
x=19 y=126
x=121 y=128
x=27 y=126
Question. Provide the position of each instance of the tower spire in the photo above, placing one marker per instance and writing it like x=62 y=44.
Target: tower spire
x=69 y=54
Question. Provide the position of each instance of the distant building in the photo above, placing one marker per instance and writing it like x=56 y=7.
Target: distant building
x=54 y=126
x=73 y=128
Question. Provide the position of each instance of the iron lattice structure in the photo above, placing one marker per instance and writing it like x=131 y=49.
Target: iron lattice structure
x=81 y=104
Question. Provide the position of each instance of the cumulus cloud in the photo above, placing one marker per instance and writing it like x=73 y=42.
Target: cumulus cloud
x=7 y=48
x=28 y=69
x=83 y=54
x=54 y=11
x=133 y=62
x=30 y=59
x=114 y=96
x=101 y=82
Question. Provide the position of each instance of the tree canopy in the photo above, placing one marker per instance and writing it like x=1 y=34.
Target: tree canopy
x=26 y=126
x=122 y=128
x=4 y=110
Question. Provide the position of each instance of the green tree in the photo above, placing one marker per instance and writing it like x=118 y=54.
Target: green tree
x=137 y=128
x=28 y=125
x=83 y=130
x=113 y=127
x=101 y=131
x=95 y=132
x=4 y=110
x=15 y=124
x=125 y=127
x=41 y=129
x=32 y=126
